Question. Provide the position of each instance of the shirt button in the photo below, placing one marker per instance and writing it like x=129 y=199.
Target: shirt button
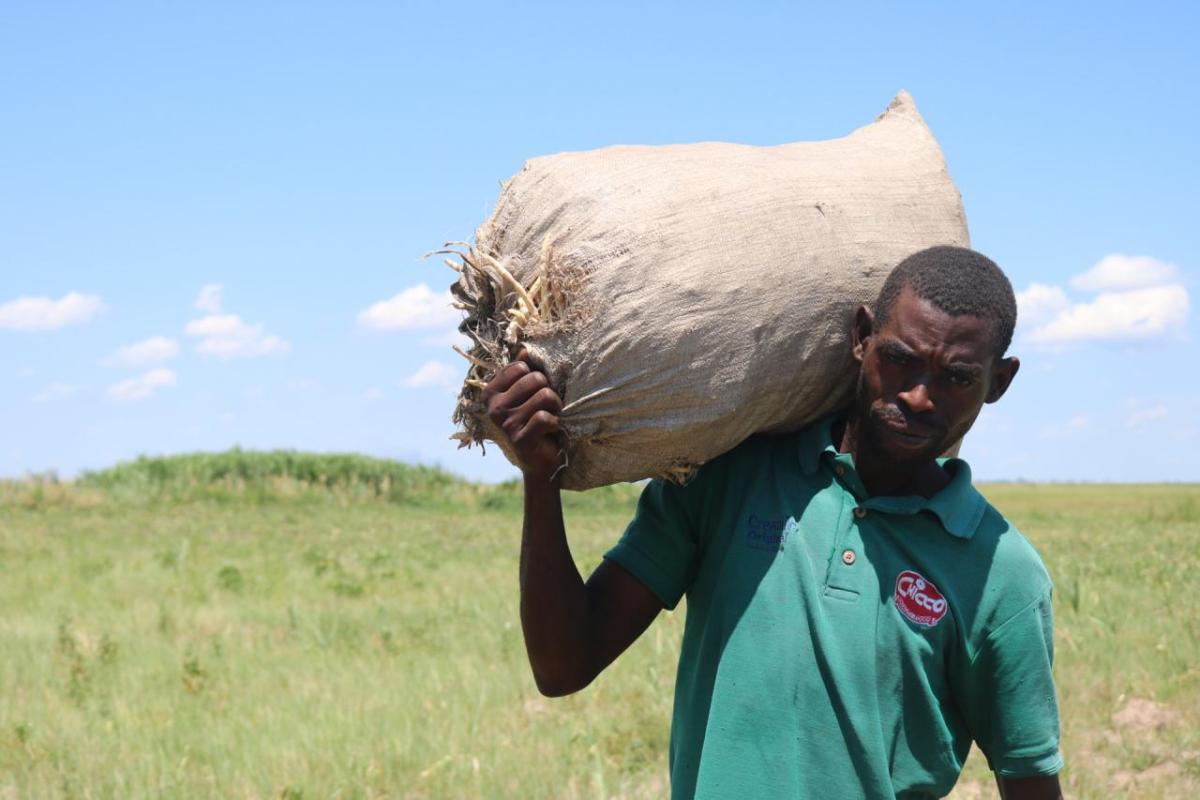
x=848 y=557
x=840 y=470
x=860 y=512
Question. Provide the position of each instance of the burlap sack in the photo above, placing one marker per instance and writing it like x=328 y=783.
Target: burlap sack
x=682 y=298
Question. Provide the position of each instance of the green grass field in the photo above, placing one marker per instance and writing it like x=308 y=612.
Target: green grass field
x=312 y=627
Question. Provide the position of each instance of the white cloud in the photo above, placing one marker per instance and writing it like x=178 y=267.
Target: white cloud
x=209 y=298
x=227 y=336
x=154 y=350
x=1142 y=416
x=417 y=307
x=1117 y=272
x=1040 y=304
x=433 y=373
x=55 y=391
x=1135 y=315
x=46 y=314
x=1078 y=422
x=143 y=386
x=1138 y=298
x=217 y=325
x=374 y=393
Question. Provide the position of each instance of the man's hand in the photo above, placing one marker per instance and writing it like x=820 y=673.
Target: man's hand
x=521 y=403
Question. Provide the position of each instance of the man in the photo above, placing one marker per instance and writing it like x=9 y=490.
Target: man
x=857 y=613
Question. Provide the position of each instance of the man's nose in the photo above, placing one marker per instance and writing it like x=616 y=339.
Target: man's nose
x=917 y=398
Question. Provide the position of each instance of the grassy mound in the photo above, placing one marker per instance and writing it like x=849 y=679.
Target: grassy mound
x=281 y=476
x=276 y=473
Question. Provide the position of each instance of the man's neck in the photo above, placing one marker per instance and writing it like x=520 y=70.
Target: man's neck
x=883 y=477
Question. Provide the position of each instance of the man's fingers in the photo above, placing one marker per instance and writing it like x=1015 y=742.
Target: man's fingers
x=544 y=399
x=540 y=425
x=502 y=405
x=503 y=380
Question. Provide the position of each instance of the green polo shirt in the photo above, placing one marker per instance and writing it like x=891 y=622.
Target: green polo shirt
x=839 y=645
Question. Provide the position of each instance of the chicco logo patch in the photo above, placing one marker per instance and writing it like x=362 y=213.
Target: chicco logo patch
x=919 y=600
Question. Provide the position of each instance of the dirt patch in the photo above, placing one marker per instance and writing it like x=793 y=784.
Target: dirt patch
x=1141 y=733
x=657 y=785
x=535 y=706
x=968 y=790
x=1155 y=776
x=1140 y=716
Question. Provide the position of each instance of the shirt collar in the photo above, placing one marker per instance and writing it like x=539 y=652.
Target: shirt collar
x=959 y=507
x=815 y=440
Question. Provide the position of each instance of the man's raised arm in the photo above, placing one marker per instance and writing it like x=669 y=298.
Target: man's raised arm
x=573 y=630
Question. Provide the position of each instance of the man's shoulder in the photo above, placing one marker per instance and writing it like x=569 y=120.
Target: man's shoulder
x=1013 y=552
x=1013 y=576
x=752 y=457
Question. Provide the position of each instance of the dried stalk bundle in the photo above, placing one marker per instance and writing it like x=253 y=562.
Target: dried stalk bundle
x=501 y=314
x=682 y=298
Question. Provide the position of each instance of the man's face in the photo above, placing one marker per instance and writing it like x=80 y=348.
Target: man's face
x=925 y=376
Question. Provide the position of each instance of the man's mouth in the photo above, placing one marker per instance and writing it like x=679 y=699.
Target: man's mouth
x=908 y=435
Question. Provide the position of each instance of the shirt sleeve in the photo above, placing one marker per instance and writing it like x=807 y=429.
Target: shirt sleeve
x=660 y=546
x=1008 y=698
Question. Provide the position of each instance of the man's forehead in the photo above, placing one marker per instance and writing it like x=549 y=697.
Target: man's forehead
x=918 y=324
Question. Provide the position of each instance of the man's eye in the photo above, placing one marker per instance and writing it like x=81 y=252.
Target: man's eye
x=897 y=358
x=962 y=380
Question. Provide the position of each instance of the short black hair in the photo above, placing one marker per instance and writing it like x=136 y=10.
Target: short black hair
x=959 y=282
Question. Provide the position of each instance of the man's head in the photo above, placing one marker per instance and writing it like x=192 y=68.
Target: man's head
x=932 y=352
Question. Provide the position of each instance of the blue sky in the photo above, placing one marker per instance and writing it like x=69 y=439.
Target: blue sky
x=199 y=206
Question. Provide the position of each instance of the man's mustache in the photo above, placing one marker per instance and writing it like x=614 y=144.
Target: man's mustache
x=894 y=416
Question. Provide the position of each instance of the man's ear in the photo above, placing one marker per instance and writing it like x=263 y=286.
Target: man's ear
x=860 y=332
x=1003 y=373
